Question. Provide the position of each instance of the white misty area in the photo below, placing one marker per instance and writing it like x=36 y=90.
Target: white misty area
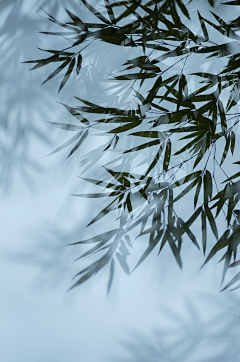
x=158 y=313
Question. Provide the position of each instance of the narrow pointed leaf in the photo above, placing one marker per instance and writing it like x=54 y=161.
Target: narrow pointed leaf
x=58 y=70
x=67 y=75
x=95 y=12
x=234 y=280
x=110 y=276
x=79 y=63
x=74 y=138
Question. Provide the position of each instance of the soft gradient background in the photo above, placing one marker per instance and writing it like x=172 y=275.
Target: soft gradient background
x=159 y=313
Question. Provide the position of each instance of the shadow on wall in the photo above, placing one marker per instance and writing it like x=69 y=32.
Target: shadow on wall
x=25 y=106
x=20 y=98
x=206 y=333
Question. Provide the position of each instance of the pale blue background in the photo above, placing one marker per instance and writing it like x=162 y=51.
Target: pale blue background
x=161 y=313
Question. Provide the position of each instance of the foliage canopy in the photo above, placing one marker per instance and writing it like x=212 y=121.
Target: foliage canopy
x=180 y=130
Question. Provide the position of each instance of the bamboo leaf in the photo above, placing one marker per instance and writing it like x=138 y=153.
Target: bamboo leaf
x=183 y=8
x=211 y=221
x=101 y=237
x=222 y=243
x=175 y=251
x=186 y=190
x=110 y=276
x=204 y=232
x=234 y=280
x=58 y=70
x=83 y=137
x=122 y=261
x=103 y=212
x=226 y=148
x=64 y=145
x=167 y=156
x=142 y=147
x=149 y=249
x=66 y=126
x=79 y=63
x=77 y=21
x=67 y=75
x=232 y=177
x=198 y=188
x=110 y=11
x=135 y=76
x=76 y=114
x=126 y=127
x=232 y=142
x=95 y=12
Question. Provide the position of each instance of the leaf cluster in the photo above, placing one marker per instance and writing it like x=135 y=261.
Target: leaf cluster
x=180 y=127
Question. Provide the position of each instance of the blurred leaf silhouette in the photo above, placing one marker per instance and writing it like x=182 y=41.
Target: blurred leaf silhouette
x=190 y=337
x=19 y=99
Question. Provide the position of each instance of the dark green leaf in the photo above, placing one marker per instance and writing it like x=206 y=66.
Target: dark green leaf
x=222 y=243
x=211 y=221
x=232 y=142
x=204 y=232
x=76 y=114
x=95 y=12
x=135 y=76
x=198 y=188
x=149 y=249
x=167 y=156
x=103 y=212
x=78 y=22
x=183 y=8
x=186 y=190
x=58 y=70
x=232 y=177
x=207 y=184
x=67 y=75
x=142 y=147
x=226 y=148
x=125 y=127
x=79 y=63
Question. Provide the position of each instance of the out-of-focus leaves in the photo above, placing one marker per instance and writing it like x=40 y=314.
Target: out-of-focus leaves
x=81 y=140
x=122 y=262
x=110 y=276
x=233 y=281
x=99 y=238
x=64 y=145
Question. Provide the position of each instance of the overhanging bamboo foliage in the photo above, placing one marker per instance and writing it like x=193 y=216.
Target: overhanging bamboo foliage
x=180 y=121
